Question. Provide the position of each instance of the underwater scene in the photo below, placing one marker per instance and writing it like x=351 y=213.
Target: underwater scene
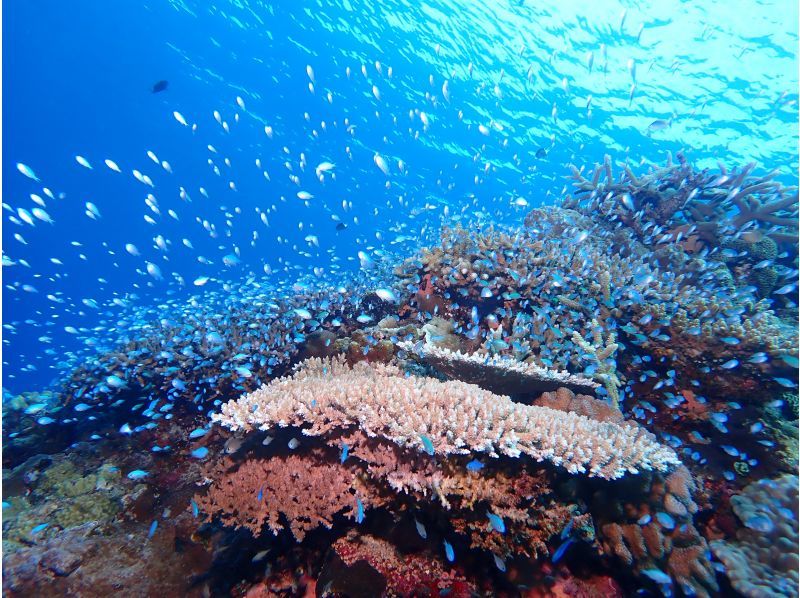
x=346 y=298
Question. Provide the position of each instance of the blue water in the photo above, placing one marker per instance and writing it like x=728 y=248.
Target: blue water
x=253 y=213
x=78 y=76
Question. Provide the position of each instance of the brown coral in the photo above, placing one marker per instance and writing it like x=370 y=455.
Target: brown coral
x=307 y=492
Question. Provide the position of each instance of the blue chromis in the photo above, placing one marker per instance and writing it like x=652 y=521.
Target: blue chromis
x=449 y=552
x=496 y=522
x=359 y=510
x=427 y=444
x=474 y=465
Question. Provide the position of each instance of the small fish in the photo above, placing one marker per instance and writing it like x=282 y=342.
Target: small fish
x=496 y=522
x=759 y=357
x=427 y=444
x=345 y=451
x=359 y=511
x=259 y=556
x=381 y=163
x=232 y=445
x=541 y=153
x=27 y=171
x=39 y=528
x=791 y=361
x=260 y=494
x=565 y=533
x=786 y=383
x=138 y=474
x=195 y=509
x=199 y=453
x=659 y=125
x=627 y=201
x=449 y=552
x=386 y=295
x=561 y=550
x=197 y=433
x=421 y=530
x=474 y=465
x=730 y=364
x=499 y=563
x=160 y=86
x=153 y=528
x=293 y=443
x=666 y=520
x=658 y=576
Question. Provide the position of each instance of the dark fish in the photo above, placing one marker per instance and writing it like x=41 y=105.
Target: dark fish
x=160 y=86
x=541 y=152
x=341 y=226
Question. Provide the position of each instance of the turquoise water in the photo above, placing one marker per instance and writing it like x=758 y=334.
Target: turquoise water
x=198 y=198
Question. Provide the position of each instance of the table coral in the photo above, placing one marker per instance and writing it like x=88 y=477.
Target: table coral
x=442 y=418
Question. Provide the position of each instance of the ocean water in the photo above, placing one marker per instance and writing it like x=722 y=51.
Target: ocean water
x=197 y=198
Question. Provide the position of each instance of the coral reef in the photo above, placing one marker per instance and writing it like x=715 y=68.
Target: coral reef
x=497 y=374
x=762 y=560
x=388 y=573
x=306 y=492
x=60 y=497
x=442 y=418
x=659 y=539
x=657 y=313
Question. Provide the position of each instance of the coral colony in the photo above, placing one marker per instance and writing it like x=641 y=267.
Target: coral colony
x=601 y=399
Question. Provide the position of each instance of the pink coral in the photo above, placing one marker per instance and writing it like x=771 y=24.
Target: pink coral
x=403 y=575
x=442 y=418
x=306 y=492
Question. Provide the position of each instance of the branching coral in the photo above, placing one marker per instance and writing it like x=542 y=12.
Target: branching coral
x=601 y=352
x=442 y=418
x=305 y=491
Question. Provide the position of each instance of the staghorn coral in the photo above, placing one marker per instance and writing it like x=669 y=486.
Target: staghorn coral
x=442 y=418
x=307 y=492
x=763 y=559
x=601 y=352
x=674 y=194
x=495 y=373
